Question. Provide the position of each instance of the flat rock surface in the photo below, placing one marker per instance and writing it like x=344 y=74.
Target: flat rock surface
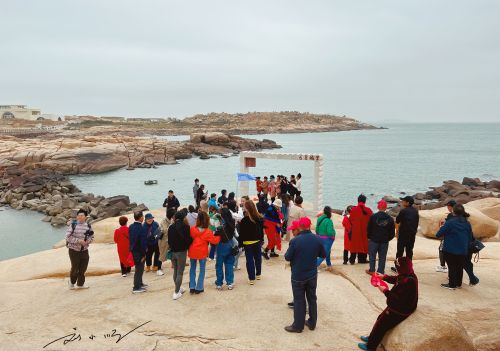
x=37 y=306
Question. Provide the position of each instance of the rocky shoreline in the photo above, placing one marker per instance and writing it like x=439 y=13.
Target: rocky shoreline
x=470 y=189
x=81 y=153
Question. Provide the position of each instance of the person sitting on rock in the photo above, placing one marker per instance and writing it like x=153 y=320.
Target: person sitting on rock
x=78 y=237
x=402 y=301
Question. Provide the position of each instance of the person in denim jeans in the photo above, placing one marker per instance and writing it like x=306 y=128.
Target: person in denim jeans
x=225 y=259
x=198 y=251
x=326 y=233
x=381 y=230
x=251 y=237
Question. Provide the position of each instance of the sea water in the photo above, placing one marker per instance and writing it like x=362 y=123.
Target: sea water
x=403 y=158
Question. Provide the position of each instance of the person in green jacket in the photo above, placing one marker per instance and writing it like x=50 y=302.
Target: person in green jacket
x=326 y=232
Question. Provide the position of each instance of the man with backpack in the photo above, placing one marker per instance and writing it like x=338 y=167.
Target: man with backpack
x=78 y=237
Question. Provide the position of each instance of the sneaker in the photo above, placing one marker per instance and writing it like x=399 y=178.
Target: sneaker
x=291 y=329
x=474 y=283
x=230 y=287
x=138 y=291
x=218 y=287
x=440 y=268
x=177 y=296
x=197 y=292
x=290 y=304
x=147 y=268
x=251 y=282
x=182 y=290
x=124 y=275
x=265 y=255
x=364 y=338
x=274 y=254
x=258 y=277
x=363 y=346
x=82 y=287
x=160 y=272
x=70 y=285
x=191 y=291
x=447 y=286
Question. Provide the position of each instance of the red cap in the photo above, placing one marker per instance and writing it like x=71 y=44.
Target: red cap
x=295 y=225
x=382 y=205
x=305 y=222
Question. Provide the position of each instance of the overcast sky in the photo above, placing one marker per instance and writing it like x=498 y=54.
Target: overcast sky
x=411 y=60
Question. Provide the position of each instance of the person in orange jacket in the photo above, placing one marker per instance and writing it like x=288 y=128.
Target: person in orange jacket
x=198 y=251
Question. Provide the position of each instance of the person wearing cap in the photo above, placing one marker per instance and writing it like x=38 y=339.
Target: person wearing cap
x=381 y=230
x=153 y=232
x=360 y=215
x=442 y=263
x=326 y=233
x=407 y=225
x=179 y=240
x=402 y=301
x=272 y=227
x=302 y=253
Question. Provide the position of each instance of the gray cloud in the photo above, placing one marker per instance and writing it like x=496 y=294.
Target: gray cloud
x=414 y=60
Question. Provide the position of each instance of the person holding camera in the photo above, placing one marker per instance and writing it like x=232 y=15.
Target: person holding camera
x=78 y=237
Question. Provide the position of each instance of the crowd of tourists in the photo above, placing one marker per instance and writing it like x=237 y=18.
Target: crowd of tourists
x=220 y=228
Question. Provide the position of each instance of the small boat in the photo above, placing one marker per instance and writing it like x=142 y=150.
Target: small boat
x=150 y=182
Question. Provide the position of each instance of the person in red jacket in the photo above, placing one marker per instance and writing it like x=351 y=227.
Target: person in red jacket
x=360 y=215
x=122 y=245
x=402 y=301
x=346 y=223
x=198 y=251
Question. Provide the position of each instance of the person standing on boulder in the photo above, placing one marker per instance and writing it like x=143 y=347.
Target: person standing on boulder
x=302 y=254
x=138 y=247
x=407 y=225
x=153 y=232
x=442 y=263
x=123 y=245
x=381 y=230
x=171 y=201
x=346 y=223
x=360 y=215
x=78 y=237
x=179 y=240
x=457 y=233
x=402 y=301
x=196 y=186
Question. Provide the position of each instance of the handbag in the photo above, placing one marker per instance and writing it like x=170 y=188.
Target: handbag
x=475 y=246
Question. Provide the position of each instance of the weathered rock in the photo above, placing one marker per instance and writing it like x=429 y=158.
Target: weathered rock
x=427 y=329
x=471 y=181
x=482 y=225
x=489 y=206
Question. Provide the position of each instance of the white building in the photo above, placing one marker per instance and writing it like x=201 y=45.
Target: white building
x=19 y=112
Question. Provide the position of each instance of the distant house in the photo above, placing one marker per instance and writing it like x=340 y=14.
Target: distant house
x=19 y=112
x=113 y=119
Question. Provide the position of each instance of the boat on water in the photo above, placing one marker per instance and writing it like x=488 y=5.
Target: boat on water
x=150 y=182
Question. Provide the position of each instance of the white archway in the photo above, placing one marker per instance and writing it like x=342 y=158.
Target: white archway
x=247 y=156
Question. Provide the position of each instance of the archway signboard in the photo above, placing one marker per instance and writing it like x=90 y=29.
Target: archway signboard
x=249 y=159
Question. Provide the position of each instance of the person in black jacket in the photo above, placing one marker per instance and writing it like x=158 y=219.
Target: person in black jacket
x=171 y=201
x=407 y=221
x=138 y=246
x=381 y=230
x=251 y=230
x=402 y=301
x=179 y=240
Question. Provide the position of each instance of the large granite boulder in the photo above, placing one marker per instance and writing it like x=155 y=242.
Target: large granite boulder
x=427 y=329
x=482 y=225
x=489 y=206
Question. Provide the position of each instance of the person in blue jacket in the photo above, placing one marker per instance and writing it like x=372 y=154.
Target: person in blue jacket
x=457 y=233
x=152 y=235
x=138 y=247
